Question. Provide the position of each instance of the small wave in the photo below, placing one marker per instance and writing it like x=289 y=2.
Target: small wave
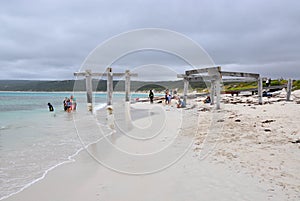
x=70 y=159
x=3 y=127
x=99 y=106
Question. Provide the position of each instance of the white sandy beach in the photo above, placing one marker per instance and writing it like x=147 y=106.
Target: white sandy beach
x=243 y=152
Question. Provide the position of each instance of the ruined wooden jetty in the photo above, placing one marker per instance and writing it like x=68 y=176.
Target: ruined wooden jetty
x=88 y=74
x=214 y=75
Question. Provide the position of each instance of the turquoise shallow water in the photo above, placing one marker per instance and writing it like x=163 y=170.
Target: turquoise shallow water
x=33 y=140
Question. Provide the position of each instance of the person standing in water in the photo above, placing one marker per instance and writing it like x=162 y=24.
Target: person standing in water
x=73 y=101
x=151 y=96
x=51 y=109
x=65 y=104
x=69 y=105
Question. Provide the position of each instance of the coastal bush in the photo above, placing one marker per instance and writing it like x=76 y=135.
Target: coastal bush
x=296 y=85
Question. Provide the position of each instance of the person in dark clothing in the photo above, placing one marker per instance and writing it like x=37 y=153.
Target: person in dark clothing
x=65 y=103
x=69 y=105
x=51 y=109
x=151 y=96
x=167 y=97
x=268 y=82
x=207 y=100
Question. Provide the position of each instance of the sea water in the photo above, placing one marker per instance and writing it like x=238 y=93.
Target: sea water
x=34 y=140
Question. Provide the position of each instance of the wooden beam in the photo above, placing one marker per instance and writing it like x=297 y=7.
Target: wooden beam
x=198 y=77
x=104 y=74
x=239 y=74
x=239 y=80
x=182 y=76
x=202 y=70
x=80 y=74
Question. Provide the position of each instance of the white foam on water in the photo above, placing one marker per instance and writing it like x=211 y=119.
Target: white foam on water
x=98 y=107
x=70 y=160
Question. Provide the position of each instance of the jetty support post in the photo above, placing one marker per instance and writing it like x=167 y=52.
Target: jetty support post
x=89 y=90
x=109 y=86
x=128 y=76
x=127 y=85
x=185 y=89
x=128 y=121
x=260 y=90
x=218 y=90
x=289 y=89
x=212 y=92
x=215 y=85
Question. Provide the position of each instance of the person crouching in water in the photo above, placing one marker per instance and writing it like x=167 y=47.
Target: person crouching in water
x=51 y=109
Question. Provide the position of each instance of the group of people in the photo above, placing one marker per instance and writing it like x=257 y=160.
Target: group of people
x=168 y=98
x=69 y=104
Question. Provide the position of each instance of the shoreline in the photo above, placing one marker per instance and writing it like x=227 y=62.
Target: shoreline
x=227 y=159
x=70 y=159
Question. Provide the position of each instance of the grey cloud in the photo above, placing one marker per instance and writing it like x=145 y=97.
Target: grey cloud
x=51 y=39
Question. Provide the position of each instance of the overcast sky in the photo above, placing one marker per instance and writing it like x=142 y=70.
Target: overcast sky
x=50 y=39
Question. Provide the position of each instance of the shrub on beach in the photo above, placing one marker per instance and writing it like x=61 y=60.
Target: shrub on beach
x=296 y=85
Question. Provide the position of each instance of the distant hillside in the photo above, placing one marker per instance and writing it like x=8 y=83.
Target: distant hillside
x=79 y=85
x=33 y=85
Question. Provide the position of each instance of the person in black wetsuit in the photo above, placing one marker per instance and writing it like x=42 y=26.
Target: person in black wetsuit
x=51 y=109
x=151 y=96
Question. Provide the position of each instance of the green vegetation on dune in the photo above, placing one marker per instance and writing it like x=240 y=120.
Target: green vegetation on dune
x=278 y=82
x=296 y=85
x=239 y=86
x=250 y=85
